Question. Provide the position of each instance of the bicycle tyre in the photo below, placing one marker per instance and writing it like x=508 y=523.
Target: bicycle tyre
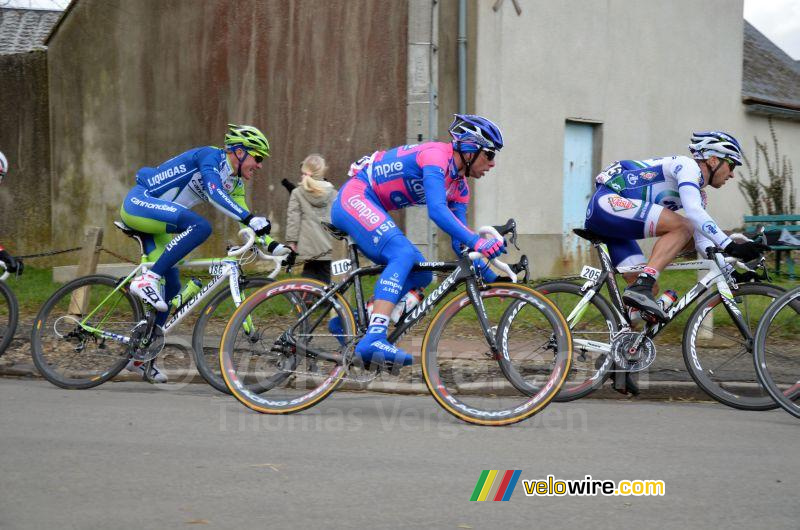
x=586 y=375
x=290 y=356
x=450 y=395
x=205 y=347
x=769 y=379
x=8 y=323
x=50 y=349
x=731 y=380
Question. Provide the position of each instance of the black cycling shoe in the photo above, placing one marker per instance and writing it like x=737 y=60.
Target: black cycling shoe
x=640 y=296
x=624 y=384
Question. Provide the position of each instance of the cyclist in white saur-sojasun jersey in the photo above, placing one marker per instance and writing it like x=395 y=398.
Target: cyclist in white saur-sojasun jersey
x=637 y=199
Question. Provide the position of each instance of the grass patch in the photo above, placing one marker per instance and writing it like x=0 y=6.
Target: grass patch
x=35 y=286
x=32 y=289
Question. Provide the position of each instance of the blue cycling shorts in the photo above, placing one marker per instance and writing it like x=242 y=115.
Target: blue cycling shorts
x=621 y=221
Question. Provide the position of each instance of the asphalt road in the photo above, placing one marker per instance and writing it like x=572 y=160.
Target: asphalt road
x=131 y=455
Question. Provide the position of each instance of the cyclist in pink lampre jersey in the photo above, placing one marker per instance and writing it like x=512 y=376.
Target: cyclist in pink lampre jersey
x=433 y=174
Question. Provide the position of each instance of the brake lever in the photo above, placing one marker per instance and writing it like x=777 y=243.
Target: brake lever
x=522 y=265
x=510 y=226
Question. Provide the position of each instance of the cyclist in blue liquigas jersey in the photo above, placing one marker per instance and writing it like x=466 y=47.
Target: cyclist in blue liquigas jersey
x=160 y=204
x=431 y=173
x=637 y=199
x=12 y=264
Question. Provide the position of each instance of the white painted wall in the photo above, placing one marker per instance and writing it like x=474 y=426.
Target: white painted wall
x=650 y=71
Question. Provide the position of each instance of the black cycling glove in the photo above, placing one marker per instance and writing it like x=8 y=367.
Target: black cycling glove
x=747 y=251
x=12 y=264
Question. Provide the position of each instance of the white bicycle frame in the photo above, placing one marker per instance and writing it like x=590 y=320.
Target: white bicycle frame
x=221 y=270
x=714 y=276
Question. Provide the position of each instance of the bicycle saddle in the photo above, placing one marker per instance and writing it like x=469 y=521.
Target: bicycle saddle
x=332 y=230
x=135 y=234
x=588 y=235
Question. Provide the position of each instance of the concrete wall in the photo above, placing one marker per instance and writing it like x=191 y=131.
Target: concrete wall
x=133 y=83
x=650 y=72
x=25 y=192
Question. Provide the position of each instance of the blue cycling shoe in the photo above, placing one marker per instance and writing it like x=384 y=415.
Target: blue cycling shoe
x=376 y=349
x=335 y=328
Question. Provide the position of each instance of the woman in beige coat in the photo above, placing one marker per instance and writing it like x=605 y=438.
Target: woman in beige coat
x=309 y=204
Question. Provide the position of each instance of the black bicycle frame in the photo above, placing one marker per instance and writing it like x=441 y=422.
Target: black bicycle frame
x=461 y=271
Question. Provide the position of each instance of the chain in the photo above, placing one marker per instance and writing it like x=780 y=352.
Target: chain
x=312 y=258
x=51 y=253
x=118 y=256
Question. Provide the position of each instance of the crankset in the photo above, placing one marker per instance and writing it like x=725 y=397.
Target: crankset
x=146 y=346
x=633 y=352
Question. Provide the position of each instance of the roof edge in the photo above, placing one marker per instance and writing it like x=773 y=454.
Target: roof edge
x=64 y=14
x=751 y=100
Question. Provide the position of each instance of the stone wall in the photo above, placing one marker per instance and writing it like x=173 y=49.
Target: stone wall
x=134 y=83
x=25 y=222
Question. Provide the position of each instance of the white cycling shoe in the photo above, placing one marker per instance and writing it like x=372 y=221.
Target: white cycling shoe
x=155 y=374
x=147 y=286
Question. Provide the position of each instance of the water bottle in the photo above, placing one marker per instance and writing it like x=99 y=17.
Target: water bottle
x=192 y=288
x=411 y=299
x=667 y=298
x=407 y=303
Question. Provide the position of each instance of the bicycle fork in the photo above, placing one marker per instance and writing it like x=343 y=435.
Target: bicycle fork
x=480 y=309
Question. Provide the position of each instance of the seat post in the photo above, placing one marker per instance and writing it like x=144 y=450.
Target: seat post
x=353 y=250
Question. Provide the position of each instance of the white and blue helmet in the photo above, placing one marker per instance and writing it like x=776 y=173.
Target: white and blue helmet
x=472 y=133
x=715 y=143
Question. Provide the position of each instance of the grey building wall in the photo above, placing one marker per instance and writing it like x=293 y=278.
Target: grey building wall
x=136 y=82
x=649 y=72
x=25 y=219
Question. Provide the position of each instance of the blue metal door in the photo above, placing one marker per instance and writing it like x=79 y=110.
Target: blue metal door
x=578 y=178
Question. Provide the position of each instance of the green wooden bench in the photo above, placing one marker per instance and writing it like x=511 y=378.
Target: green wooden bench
x=773 y=226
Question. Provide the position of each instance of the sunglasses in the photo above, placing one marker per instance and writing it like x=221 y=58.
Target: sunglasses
x=490 y=154
x=731 y=163
x=257 y=158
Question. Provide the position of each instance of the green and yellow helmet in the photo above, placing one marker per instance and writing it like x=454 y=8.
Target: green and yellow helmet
x=248 y=137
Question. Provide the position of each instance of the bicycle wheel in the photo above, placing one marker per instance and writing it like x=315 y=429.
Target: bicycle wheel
x=67 y=341
x=295 y=363
x=777 y=351
x=209 y=327
x=719 y=357
x=9 y=313
x=591 y=328
x=470 y=383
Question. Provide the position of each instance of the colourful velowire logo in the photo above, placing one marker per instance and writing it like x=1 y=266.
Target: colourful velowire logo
x=494 y=485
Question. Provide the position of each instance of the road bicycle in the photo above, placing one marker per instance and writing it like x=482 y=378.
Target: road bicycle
x=303 y=345
x=9 y=311
x=717 y=343
x=777 y=351
x=89 y=329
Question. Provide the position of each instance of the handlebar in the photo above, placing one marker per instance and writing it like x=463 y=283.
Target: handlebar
x=250 y=237
x=279 y=260
x=497 y=232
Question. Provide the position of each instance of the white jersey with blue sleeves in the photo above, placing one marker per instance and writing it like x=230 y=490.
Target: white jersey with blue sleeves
x=672 y=182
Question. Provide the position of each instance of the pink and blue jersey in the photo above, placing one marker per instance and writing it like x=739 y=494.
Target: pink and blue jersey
x=411 y=175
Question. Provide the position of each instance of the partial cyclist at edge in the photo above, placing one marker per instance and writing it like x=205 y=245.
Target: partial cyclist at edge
x=12 y=264
x=430 y=173
x=160 y=206
x=637 y=199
